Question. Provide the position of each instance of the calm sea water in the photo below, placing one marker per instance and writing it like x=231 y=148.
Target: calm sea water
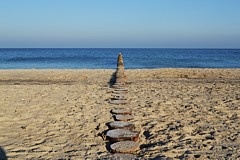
x=106 y=58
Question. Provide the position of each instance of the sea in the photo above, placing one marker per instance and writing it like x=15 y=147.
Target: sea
x=106 y=58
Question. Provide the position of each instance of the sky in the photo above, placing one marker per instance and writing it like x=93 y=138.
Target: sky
x=119 y=24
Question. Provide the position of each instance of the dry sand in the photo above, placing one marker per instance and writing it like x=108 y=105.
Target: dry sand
x=181 y=113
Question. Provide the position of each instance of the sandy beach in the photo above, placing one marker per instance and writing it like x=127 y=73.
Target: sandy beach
x=60 y=114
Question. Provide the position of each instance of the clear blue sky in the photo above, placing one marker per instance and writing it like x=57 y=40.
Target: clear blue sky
x=120 y=23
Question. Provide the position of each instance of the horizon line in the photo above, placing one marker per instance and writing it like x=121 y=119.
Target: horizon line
x=117 y=48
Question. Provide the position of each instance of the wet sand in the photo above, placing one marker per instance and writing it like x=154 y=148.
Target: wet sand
x=60 y=114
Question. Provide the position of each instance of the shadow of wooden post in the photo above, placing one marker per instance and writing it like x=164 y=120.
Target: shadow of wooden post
x=112 y=79
x=3 y=155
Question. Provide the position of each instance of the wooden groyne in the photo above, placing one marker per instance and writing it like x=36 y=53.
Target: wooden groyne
x=122 y=136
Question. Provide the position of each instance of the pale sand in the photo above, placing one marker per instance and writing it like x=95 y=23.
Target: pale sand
x=58 y=114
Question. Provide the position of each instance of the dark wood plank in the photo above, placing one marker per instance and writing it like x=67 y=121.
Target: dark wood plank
x=118 y=102
x=116 y=135
x=124 y=147
x=120 y=92
x=121 y=89
x=119 y=96
x=123 y=117
x=121 y=111
x=121 y=107
x=121 y=125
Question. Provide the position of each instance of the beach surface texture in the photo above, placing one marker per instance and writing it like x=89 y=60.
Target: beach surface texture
x=61 y=114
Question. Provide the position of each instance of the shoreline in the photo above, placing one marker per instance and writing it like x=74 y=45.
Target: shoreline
x=76 y=74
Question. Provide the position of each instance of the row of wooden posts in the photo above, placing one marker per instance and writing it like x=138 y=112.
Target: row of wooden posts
x=121 y=134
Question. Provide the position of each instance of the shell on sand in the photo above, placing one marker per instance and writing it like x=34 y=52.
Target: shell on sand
x=123 y=117
x=124 y=147
x=121 y=125
x=116 y=135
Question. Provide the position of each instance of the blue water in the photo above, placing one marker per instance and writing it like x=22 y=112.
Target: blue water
x=106 y=58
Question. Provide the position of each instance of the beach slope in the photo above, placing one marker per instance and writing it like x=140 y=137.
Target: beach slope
x=60 y=114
